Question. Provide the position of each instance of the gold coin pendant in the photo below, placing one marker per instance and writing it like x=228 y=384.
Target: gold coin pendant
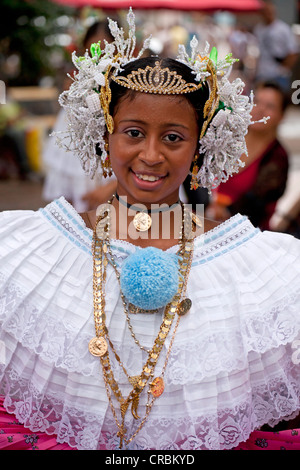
x=142 y=221
x=184 y=307
x=157 y=387
x=98 y=346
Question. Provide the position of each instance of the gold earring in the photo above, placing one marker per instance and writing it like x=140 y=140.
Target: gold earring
x=106 y=165
x=195 y=170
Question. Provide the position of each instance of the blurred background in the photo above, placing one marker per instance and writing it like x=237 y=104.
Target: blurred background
x=37 y=39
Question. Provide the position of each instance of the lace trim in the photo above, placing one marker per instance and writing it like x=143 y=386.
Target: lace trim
x=61 y=343
x=49 y=337
x=224 y=429
x=68 y=227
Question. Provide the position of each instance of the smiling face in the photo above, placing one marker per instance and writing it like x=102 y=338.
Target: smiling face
x=152 y=147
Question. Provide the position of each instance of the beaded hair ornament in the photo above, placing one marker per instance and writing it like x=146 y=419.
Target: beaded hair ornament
x=227 y=113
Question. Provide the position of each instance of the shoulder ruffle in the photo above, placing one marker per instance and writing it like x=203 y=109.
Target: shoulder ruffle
x=233 y=364
x=46 y=286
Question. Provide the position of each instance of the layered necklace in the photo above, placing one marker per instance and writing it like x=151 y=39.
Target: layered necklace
x=101 y=345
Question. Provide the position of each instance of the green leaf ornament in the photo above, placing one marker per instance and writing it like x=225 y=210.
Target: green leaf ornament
x=95 y=49
x=214 y=55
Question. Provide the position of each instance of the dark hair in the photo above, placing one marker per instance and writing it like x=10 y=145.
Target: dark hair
x=97 y=28
x=285 y=99
x=196 y=98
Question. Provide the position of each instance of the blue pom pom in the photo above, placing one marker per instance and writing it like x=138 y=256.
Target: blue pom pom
x=149 y=278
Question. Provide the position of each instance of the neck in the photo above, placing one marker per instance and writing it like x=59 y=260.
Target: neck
x=150 y=209
x=262 y=136
x=165 y=222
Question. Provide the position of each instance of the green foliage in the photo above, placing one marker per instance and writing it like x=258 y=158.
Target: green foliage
x=24 y=26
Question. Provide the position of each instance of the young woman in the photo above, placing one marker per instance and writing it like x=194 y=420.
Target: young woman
x=118 y=334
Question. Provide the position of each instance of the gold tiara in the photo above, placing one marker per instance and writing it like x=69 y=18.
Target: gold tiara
x=156 y=80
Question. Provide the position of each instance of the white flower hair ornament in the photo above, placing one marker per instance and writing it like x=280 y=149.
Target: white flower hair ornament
x=227 y=112
x=222 y=139
x=85 y=111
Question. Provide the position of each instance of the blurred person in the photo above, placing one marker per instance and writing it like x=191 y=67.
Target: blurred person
x=278 y=48
x=245 y=48
x=64 y=174
x=256 y=188
x=13 y=156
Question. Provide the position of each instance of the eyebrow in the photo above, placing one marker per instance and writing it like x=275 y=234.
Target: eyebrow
x=168 y=124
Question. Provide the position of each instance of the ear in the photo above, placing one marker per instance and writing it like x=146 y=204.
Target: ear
x=106 y=140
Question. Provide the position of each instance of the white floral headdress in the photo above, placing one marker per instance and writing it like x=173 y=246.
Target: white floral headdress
x=228 y=112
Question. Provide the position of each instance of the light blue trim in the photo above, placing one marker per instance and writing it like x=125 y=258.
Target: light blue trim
x=226 y=250
x=225 y=230
x=75 y=223
x=203 y=239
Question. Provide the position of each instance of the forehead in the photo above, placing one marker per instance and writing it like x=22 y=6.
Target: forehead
x=134 y=105
x=268 y=95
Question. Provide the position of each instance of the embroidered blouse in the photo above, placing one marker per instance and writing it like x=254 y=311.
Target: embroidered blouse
x=234 y=364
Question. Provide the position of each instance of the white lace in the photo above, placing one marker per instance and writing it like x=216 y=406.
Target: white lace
x=230 y=369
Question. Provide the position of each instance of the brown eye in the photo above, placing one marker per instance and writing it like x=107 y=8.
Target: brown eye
x=134 y=133
x=172 y=138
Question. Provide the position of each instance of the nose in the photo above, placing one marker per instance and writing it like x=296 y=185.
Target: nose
x=151 y=153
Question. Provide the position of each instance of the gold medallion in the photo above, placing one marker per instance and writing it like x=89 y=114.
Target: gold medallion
x=98 y=346
x=184 y=307
x=157 y=387
x=142 y=221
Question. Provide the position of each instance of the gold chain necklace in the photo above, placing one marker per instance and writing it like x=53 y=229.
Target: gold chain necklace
x=99 y=346
x=133 y=309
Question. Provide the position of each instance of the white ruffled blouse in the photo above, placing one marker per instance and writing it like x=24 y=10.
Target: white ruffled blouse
x=234 y=364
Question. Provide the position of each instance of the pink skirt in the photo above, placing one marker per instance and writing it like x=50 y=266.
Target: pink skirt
x=14 y=436
x=262 y=440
